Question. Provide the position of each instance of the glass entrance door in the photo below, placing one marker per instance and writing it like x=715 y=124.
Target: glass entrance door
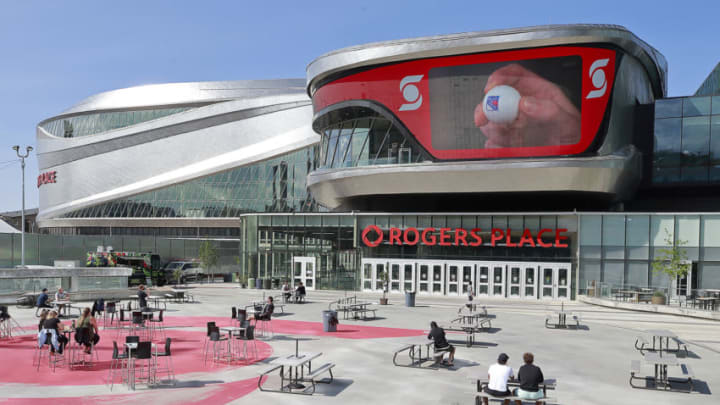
x=530 y=281
x=497 y=280
x=483 y=281
x=373 y=272
x=453 y=279
x=304 y=271
x=402 y=276
x=515 y=281
x=555 y=281
x=522 y=280
x=438 y=278
x=460 y=277
x=424 y=278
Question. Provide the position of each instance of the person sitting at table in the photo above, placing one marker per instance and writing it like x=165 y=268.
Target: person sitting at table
x=530 y=376
x=498 y=376
x=437 y=334
x=54 y=326
x=43 y=317
x=300 y=292
x=42 y=300
x=286 y=291
x=88 y=321
x=61 y=295
x=267 y=310
x=142 y=297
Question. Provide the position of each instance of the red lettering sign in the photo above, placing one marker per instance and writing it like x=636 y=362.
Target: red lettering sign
x=47 y=178
x=461 y=237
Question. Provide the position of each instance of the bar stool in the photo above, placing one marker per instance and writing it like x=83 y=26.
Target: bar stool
x=219 y=345
x=169 y=369
x=82 y=336
x=117 y=357
x=54 y=358
x=110 y=310
x=247 y=338
x=158 y=323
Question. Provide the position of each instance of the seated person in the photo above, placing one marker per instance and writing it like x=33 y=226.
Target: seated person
x=53 y=323
x=499 y=374
x=300 y=292
x=42 y=300
x=43 y=317
x=530 y=376
x=61 y=295
x=437 y=334
x=286 y=292
x=88 y=321
x=266 y=312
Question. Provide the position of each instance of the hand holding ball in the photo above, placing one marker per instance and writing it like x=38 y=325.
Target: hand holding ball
x=500 y=104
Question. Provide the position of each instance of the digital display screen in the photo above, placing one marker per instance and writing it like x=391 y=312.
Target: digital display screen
x=510 y=104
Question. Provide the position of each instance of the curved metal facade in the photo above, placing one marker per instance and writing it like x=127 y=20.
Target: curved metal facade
x=417 y=85
x=117 y=147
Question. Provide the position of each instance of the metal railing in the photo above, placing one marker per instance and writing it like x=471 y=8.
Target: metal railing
x=700 y=298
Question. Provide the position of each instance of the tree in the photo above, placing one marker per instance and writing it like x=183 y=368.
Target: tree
x=672 y=260
x=208 y=256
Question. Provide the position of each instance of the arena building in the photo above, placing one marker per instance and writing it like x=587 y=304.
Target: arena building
x=532 y=163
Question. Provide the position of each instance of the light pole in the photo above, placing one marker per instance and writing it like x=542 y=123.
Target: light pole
x=22 y=157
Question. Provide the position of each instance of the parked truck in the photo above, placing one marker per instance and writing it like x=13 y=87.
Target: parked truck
x=147 y=267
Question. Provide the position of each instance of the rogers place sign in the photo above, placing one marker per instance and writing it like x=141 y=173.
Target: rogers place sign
x=373 y=236
x=47 y=178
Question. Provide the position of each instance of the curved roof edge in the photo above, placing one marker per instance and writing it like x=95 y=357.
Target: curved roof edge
x=485 y=41
x=187 y=93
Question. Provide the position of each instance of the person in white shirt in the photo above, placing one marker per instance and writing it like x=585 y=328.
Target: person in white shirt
x=61 y=295
x=499 y=374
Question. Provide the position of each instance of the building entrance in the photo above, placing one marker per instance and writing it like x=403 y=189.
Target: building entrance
x=304 y=271
x=518 y=280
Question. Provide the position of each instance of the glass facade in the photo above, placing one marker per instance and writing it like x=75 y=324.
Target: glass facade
x=619 y=248
x=687 y=141
x=274 y=185
x=364 y=140
x=90 y=124
x=711 y=85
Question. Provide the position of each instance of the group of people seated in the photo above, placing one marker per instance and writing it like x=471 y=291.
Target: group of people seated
x=299 y=292
x=43 y=300
x=51 y=328
x=529 y=375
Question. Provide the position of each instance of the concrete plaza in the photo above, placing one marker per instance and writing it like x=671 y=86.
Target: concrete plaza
x=591 y=364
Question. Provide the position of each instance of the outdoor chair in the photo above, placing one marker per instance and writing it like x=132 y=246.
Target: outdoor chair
x=117 y=363
x=241 y=317
x=54 y=358
x=158 y=323
x=110 y=311
x=207 y=336
x=264 y=326
x=219 y=345
x=248 y=338
x=144 y=352
x=169 y=370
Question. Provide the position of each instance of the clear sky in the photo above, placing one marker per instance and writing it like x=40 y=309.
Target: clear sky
x=55 y=53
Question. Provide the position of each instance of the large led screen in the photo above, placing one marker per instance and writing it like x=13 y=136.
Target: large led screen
x=506 y=104
x=520 y=103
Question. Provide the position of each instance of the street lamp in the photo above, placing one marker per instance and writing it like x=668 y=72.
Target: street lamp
x=22 y=157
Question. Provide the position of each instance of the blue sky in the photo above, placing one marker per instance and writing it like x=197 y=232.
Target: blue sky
x=55 y=53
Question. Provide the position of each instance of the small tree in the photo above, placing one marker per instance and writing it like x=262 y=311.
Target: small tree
x=177 y=275
x=672 y=260
x=208 y=256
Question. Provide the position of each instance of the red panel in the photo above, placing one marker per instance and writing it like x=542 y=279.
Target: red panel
x=383 y=85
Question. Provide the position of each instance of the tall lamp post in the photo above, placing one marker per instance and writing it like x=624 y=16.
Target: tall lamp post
x=22 y=157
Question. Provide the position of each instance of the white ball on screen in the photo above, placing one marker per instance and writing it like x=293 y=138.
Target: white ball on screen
x=500 y=104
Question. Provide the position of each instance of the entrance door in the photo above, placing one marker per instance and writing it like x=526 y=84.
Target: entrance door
x=373 y=271
x=438 y=278
x=402 y=276
x=515 y=279
x=460 y=277
x=682 y=286
x=522 y=280
x=431 y=277
x=483 y=280
x=497 y=280
x=304 y=271
x=555 y=281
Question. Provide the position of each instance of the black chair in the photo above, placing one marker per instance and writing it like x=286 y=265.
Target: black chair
x=169 y=369
x=241 y=317
x=218 y=345
x=83 y=339
x=207 y=339
x=144 y=352
x=117 y=357
x=159 y=322
x=233 y=313
x=247 y=338
x=110 y=310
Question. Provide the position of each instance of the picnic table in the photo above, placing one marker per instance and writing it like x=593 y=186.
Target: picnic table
x=635 y=295
x=660 y=378
x=233 y=351
x=660 y=336
x=357 y=308
x=63 y=307
x=707 y=302
x=414 y=347
x=292 y=368
x=548 y=384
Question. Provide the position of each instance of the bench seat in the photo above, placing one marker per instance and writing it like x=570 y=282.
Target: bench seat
x=512 y=398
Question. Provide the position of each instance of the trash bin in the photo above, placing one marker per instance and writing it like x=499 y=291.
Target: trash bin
x=409 y=298
x=228 y=277
x=267 y=283
x=275 y=283
x=259 y=283
x=251 y=282
x=330 y=321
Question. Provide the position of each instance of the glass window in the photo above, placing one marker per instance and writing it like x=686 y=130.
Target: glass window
x=716 y=104
x=694 y=106
x=667 y=142
x=613 y=233
x=711 y=231
x=688 y=229
x=614 y=273
x=637 y=273
x=666 y=108
x=660 y=226
x=715 y=146
x=590 y=226
x=638 y=230
x=695 y=148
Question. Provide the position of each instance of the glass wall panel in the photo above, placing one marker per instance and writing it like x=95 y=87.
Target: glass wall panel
x=667 y=150
x=694 y=106
x=637 y=273
x=715 y=147
x=660 y=227
x=591 y=230
x=589 y=271
x=711 y=231
x=688 y=230
x=695 y=149
x=614 y=272
x=613 y=233
x=638 y=230
x=666 y=108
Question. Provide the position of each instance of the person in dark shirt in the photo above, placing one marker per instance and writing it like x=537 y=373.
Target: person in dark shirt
x=43 y=299
x=267 y=311
x=43 y=316
x=530 y=376
x=300 y=292
x=53 y=322
x=437 y=334
x=142 y=297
